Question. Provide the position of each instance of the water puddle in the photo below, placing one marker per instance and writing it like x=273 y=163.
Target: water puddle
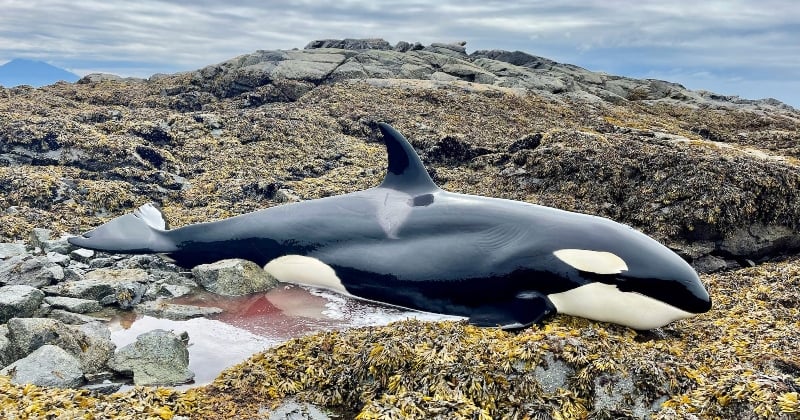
x=250 y=324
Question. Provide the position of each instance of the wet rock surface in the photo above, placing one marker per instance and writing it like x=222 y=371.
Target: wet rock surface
x=714 y=177
x=157 y=357
x=233 y=277
x=48 y=365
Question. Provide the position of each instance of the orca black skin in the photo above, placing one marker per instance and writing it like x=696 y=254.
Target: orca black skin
x=411 y=244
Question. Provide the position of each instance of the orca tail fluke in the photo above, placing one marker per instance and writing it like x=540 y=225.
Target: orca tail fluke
x=142 y=232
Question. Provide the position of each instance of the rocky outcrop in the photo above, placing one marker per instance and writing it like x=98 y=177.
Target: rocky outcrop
x=332 y=60
x=235 y=277
x=156 y=358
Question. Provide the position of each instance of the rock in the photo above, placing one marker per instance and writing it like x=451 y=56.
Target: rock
x=18 y=301
x=82 y=255
x=31 y=271
x=157 y=357
x=72 y=318
x=76 y=305
x=39 y=236
x=106 y=387
x=108 y=286
x=293 y=410
x=28 y=334
x=8 y=250
x=758 y=240
x=5 y=347
x=285 y=195
x=60 y=246
x=49 y=366
x=59 y=259
x=552 y=374
x=350 y=44
x=101 y=77
x=174 y=311
x=234 y=277
x=709 y=264
x=528 y=142
x=96 y=346
x=101 y=262
x=90 y=343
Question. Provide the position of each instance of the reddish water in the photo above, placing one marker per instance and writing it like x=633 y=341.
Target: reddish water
x=252 y=323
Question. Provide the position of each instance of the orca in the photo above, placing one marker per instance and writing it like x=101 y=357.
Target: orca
x=408 y=243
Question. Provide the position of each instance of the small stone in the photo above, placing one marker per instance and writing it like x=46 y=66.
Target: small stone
x=101 y=262
x=60 y=259
x=49 y=366
x=285 y=195
x=99 y=376
x=513 y=171
x=709 y=264
x=106 y=387
x=82 y=254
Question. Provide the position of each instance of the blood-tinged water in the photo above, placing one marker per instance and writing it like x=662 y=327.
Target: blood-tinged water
x=250 y=324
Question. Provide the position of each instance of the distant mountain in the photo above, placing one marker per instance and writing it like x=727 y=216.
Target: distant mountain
x=31 y=72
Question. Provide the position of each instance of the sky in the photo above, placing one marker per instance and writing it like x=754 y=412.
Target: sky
x=734 y=47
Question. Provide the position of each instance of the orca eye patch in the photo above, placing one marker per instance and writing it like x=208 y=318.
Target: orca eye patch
x=598 y=262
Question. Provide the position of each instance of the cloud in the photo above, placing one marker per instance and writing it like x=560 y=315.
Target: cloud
x=629 y=37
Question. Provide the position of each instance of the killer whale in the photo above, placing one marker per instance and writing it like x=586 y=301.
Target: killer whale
x=408 y=243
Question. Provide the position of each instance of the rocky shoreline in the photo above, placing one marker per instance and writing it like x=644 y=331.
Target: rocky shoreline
x=56 y=301
x=716 y=178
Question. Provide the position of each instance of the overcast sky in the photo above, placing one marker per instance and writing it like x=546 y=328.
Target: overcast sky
x=740 y=47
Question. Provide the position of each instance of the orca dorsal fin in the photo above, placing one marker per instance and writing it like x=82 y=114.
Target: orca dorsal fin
x=405 y=171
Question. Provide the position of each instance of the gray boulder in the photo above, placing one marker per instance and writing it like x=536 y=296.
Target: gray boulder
x=18 y=301
x=40 y=238
x=124 y=287
x=31 y=271
x=97 y=346
x=8 y=250
x=234 y=277
x=49 y=366
x=157 y=357
x=91 y=343
x=76 y=305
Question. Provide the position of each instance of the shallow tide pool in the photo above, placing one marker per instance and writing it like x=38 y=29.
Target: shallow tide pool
x=250 y=324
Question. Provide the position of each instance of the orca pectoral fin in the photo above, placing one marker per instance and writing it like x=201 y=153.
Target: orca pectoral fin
x=524 y=309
